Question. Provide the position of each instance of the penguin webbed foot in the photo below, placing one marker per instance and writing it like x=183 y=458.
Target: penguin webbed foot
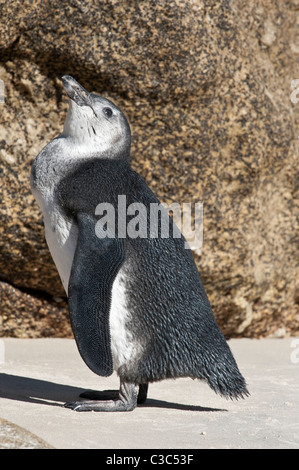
x=101 y=405
x=125 y=399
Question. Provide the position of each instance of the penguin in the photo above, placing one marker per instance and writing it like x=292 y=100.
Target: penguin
x=136 y=302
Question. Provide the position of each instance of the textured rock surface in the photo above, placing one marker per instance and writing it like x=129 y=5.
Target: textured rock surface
x=15 y=437
x=32 y=314
x=206 y=86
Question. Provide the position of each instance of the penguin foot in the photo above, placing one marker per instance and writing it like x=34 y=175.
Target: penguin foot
x=126 y=401
x=114 y=394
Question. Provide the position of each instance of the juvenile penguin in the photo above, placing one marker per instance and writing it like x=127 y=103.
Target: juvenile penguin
x=137 y=304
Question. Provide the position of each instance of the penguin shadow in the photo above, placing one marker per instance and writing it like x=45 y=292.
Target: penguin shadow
x=153 y=403
x=30 y=390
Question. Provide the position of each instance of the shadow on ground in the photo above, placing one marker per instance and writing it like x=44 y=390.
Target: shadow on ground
x=30 y=390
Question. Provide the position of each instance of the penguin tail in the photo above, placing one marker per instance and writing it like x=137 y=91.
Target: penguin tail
x=224 y=377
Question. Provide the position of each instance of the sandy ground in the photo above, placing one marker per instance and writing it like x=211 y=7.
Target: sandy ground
x=38 y=375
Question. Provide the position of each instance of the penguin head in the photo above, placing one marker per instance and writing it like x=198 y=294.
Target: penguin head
x=95 y=125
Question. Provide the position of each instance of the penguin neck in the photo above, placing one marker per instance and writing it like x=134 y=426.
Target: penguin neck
x=81 y=148
x=90 y=149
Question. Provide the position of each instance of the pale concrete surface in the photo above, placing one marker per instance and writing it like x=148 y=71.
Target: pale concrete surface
x=38 y=375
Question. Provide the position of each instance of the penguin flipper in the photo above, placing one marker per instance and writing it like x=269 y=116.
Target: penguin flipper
x=95 y=266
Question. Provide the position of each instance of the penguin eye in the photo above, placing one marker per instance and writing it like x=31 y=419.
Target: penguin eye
x=108 y=112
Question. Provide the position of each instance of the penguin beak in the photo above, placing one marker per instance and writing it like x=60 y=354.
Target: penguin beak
x=76 y=92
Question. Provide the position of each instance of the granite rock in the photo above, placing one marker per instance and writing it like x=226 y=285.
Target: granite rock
x=206 y=86
x=32 y=314
x=14 y=437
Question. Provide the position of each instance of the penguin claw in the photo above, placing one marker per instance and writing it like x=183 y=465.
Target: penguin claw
x=76 y=405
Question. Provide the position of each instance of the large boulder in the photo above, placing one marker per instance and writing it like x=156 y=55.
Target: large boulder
x=206 y=86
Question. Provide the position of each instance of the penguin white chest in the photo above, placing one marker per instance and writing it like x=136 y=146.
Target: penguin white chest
x=61 y=235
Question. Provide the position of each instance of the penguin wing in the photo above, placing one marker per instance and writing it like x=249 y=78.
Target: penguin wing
x=95 y=266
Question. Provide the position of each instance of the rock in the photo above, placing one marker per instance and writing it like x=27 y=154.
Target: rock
x=26 y=314
x=206 y=86
x=15 y=437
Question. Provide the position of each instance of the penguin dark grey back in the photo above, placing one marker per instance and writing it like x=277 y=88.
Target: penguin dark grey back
x=137 y=304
